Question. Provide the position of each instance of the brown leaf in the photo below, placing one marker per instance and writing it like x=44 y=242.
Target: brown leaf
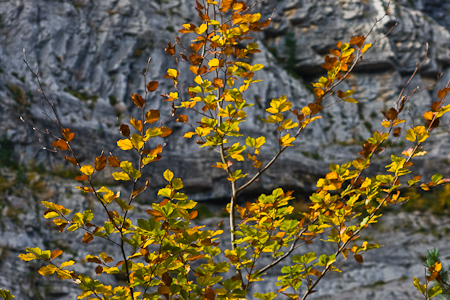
x=163 y=290
x=392 y=114
x=152 y=86
x=152 y=116
x=167 y=279
x=72 y=160
x=55 y=254
x=138 y=100
x=170 y=49
x=119 y=263
x=359 y=258
x=442 y=93
x=81 y=178
x=434 y=125
x=62 y=226
x=166 y=131
x=68 y=134
x=182 y=119
x=125 y=130
x=60 y=144
x=397 y=131
x=340 y=94
x=113 y=161
x=99 y=270
x=100 y=162
x=87 y=238
x=435 y=105
x=210 y=294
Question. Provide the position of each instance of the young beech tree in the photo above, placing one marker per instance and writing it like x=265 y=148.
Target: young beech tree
x=157 y=253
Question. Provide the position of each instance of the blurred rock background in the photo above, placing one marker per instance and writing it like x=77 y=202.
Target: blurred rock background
x=90 y=54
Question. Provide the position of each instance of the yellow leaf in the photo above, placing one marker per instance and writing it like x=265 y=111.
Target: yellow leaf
x=120 y=176
x=198 y=79
x=189 y=134
x=201 y=29
x=168 y=175
x=306 y=111
x=172 y=73
x=47 y=270
x=66 y=264
x=286 y=140
x=213 y=63
x=27 y=257
x=87 y=170
x=386 y=124
x=366 y=47
x=125 y=144
x=350 y=100
x=137 y=140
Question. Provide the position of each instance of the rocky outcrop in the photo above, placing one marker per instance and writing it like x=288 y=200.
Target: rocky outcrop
x=90 y=53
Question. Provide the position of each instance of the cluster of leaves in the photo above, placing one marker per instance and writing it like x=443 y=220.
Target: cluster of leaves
x=435 y=273
x=158 y=254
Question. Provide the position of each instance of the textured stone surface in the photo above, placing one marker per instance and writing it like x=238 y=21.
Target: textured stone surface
x=90 y=53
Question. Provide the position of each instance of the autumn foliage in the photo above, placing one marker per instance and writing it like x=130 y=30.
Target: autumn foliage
x=158 y=252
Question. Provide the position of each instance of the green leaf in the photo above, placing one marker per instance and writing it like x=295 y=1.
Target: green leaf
x=267 y=296
x=123 y=205
x=5 y=294
x=436 y=177
x=304 y=259
x=434 y=291
x=165 y=192
x=177 y=183
x=420 y=287
x=128 y=167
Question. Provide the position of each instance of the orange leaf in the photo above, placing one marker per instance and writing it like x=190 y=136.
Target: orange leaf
x=428 y=115
x=100 y=162
x=87 y=238
x=55 y=254
x=152 y=116
x=60 y=144
x=193 y=214
x=68 y=134
x=152 y=86
x=166 y=131
x=138 y=100
x=155 y=151
x=182 y=119
x=81 y=178
x=137 y=124
x=72 y=160
x=113 y=161
x=218 y=82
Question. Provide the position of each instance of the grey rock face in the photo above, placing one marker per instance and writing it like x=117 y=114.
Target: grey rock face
x=90 y=54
